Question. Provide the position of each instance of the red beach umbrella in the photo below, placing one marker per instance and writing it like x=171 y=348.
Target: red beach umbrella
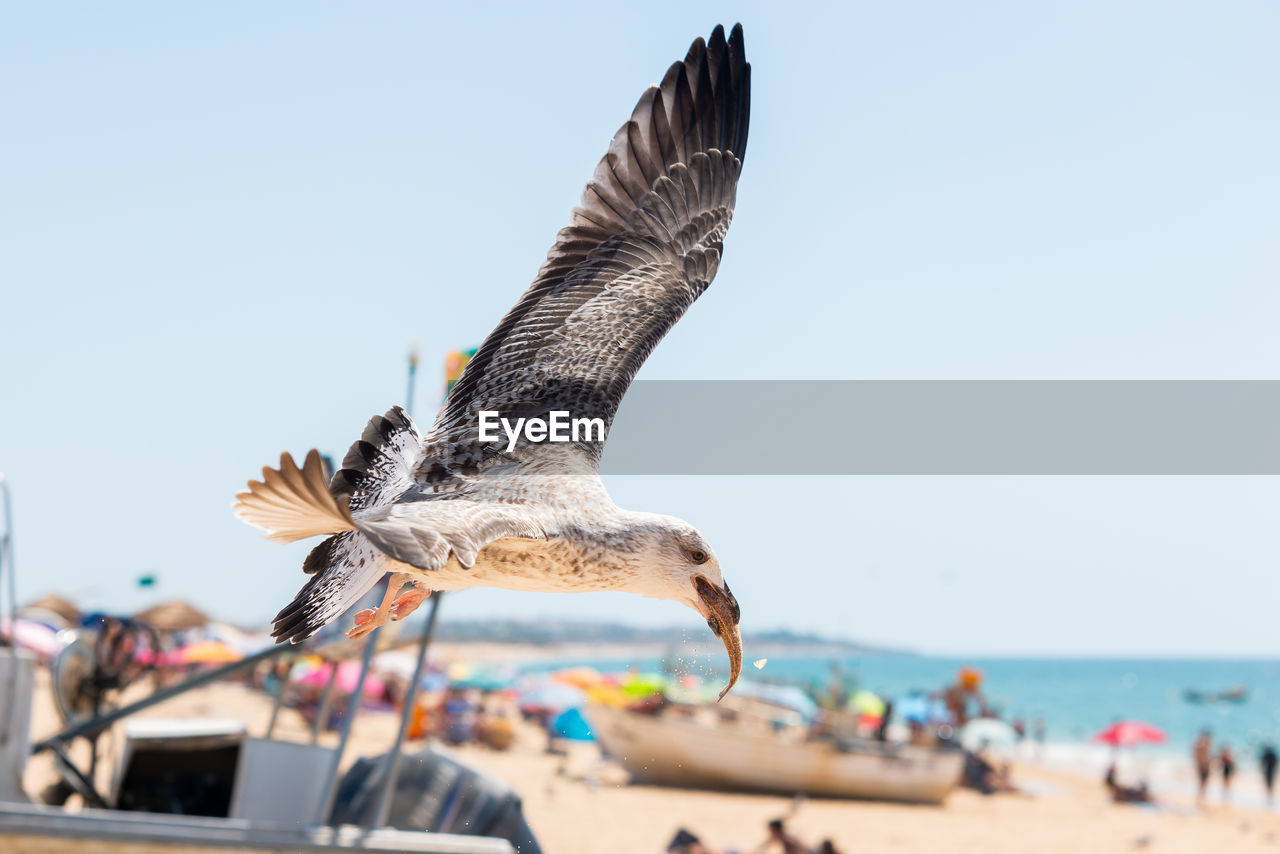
x=1129 y=733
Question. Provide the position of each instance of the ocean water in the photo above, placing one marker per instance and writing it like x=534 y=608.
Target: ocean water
x=1076 y=698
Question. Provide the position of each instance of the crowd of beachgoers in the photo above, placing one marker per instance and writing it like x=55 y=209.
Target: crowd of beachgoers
x=525 y=723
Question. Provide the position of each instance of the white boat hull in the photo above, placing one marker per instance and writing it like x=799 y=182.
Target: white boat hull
x=675 y=752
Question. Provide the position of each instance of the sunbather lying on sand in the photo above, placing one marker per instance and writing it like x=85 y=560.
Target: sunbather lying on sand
x=1126 y=794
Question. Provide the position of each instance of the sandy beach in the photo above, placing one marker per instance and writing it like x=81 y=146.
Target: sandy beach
x=577 y=804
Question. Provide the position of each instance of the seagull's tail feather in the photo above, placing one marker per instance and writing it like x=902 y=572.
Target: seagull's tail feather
x=377 y=470
x=292 y=503
x=379 y=466
x=343 y=569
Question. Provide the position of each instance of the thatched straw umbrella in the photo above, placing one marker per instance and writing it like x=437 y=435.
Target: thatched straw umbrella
x=175 y=616
x=54 y=604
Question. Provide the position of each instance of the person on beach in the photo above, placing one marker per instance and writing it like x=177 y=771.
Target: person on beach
x=686 y=843
x=1267 y=761
x=1202 y=753
x=781 y=839
x=1138 y=794
x=1227 y=765
x=882 y=731
x=963 y=699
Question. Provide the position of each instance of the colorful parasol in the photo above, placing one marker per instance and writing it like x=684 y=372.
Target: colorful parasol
x=207 y=652
x=32 y=636
x=1129 y=733
x=348 y=674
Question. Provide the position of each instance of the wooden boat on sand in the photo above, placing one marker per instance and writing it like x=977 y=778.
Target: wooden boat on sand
x=676 y=750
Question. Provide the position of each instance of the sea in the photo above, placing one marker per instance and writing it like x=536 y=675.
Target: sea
x=1076 y=698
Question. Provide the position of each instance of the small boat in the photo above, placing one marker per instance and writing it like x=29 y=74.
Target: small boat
x=684 y=750
x=1235 y=694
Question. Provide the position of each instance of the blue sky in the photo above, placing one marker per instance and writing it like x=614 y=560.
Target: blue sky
x=223 y=226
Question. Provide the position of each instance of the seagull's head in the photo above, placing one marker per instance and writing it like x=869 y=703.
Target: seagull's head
x=688 y=572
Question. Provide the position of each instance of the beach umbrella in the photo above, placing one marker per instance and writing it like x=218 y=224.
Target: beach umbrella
x=48 y=618
x=245 y=642
x=987 y=732
x=643 y=684
x=869 y=707
x=914 y=707
x=867 y=703
x=33 y=636
x=208 y=652
x=480 y=678
x=348 y=674
x=609 y=695
x=173 y=616
x=551 y=697
x=63 y=608
x=1130 y=733
x=578 y=677
x=572 y=725
x=922 y=708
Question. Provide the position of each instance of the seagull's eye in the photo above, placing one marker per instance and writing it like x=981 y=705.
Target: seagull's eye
x=698 y=556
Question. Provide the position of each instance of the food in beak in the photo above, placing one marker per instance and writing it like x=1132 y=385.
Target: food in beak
x=722 y=618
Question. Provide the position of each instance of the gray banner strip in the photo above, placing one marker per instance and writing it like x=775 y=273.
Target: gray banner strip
x=941 y=427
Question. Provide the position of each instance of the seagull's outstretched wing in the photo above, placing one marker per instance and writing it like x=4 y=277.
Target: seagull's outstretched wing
x=643 y=245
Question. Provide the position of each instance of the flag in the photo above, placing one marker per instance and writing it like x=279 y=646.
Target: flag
x=454 y=362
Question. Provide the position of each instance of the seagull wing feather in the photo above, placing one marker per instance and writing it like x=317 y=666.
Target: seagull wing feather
x=644 y=243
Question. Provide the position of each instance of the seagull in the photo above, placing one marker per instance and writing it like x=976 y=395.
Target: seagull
x=453 y=508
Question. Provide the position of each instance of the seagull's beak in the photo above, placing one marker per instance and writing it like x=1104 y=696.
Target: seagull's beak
x=722 y=613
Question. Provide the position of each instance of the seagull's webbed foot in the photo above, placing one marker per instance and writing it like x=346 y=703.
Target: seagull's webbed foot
x=370 y=619
x=366 y=621
x=408 y=601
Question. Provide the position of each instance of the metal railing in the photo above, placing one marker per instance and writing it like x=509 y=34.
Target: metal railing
x=6 y=568
x=90 y=728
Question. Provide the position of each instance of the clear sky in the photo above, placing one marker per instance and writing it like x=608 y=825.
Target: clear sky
x=221 y=226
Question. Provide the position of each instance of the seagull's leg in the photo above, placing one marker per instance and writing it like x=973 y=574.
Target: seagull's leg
x=369 y=619
x=408 y=601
